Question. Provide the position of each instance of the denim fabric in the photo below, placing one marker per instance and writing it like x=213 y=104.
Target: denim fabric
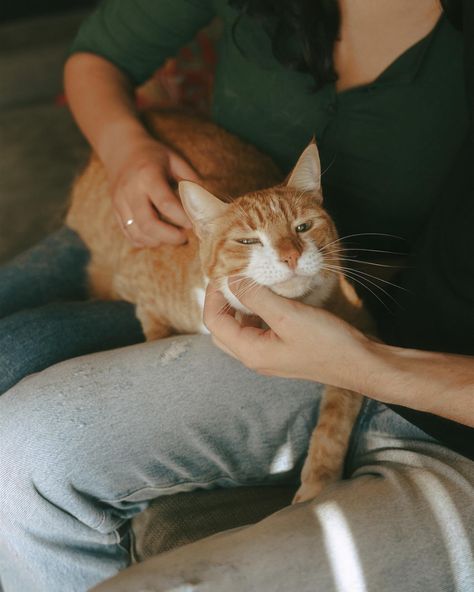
x=44 y=315
x=401 y=521
x=88 y=443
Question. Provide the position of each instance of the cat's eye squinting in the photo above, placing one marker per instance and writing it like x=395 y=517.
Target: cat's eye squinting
x=249 y=241
x=303 y=227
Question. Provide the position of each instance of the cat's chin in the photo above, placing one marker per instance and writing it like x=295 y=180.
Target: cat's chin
x=295 y=287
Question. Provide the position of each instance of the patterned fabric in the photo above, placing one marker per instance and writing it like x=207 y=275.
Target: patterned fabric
x=186 y=80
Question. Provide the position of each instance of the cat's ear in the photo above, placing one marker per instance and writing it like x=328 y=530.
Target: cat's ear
x=306 y=176
x=201 y=206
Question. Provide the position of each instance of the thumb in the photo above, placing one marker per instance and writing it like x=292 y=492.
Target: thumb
x=181 y=170
x=270 y=307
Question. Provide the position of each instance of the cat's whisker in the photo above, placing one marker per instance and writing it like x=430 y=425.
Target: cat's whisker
x=374 y=277
x=236 y=281
x=344 y=238
x=344 y=249
x=244 y=290
x=366 y=276
x=224 y=309
x=386 y=235
x=360 y=282
x=355 y=260
x=369 y=275
x=249 y=284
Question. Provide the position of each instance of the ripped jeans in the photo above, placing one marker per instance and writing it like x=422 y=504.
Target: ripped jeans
x=86 y=444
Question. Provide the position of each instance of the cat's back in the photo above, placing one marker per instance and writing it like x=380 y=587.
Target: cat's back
x=226 y=164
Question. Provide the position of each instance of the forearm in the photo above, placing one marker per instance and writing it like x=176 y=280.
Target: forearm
x=441 y=384
x=102 y=100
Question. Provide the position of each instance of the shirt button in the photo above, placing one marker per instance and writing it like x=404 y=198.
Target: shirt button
x=332 y=108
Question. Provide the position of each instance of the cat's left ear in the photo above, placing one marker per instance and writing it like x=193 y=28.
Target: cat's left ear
x=306 y=176
x=201 y=206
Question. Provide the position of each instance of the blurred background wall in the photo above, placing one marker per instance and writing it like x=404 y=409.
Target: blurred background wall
x=41 y=149
x=30 y=8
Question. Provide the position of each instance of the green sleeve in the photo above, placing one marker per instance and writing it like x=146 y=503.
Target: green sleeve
x=139 y=35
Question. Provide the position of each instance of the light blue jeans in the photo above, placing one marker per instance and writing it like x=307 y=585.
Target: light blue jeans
x=87 y=443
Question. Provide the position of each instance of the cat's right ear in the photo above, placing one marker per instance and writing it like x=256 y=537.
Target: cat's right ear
x=306 y=176
x=201 y=206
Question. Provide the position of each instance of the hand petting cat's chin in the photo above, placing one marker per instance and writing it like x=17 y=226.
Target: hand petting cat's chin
x=296 y=287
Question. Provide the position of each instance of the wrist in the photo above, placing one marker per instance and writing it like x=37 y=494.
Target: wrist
x=391 y=377
x=119 y=142
x=368 y=369
x=378 y=370
x=353 y=368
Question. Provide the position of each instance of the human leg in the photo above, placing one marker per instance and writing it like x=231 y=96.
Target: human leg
x=87 y=443
x=402 y=521
x=34 y=339
x=51 y=271
x=44 y=315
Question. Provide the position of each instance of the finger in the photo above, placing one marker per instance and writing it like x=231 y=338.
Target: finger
x=123 y=226
x=225 y=327
x=215 y=306
x=224 y=348
x=182 y=171
x=125 y=220
x=168 y=204
x=273 y=309
x=148 y=228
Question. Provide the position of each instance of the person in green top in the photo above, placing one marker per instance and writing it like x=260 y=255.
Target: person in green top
x=89 y=443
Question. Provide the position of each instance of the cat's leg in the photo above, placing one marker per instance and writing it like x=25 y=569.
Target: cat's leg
x=329 y=442
x=152 y=325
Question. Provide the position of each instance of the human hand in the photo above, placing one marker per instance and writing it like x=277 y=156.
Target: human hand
x=301 y=341
x=149 y=211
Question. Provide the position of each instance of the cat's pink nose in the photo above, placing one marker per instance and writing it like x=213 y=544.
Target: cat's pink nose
x=290 y=257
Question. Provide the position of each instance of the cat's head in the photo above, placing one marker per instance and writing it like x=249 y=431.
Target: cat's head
x=273 y=237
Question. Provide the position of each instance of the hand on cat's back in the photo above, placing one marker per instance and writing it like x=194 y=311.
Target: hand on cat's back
x=301 y=341
x=149 y=211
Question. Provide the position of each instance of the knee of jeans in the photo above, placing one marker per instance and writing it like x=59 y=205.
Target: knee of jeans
x=44 y=443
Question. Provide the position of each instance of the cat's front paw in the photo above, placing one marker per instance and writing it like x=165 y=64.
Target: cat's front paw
x=308 y=490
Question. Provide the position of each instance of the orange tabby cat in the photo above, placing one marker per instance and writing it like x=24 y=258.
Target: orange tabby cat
x=276 y=237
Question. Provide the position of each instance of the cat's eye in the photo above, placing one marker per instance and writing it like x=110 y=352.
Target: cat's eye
x=249 y=241
x=303 y=227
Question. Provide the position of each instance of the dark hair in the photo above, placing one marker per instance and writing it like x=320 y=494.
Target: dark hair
x=315 y=24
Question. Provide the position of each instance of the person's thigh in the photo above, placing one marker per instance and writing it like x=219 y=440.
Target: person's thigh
x=51 y=271
x=403 y=521
x=36 y=338
x=45 y=316
x=87 y=443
